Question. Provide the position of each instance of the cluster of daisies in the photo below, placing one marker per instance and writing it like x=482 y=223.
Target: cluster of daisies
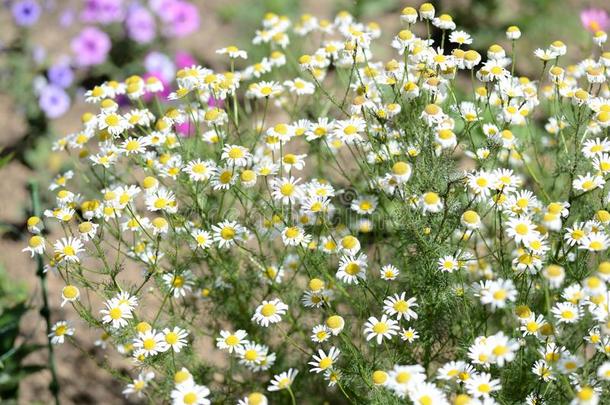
x=324 y=216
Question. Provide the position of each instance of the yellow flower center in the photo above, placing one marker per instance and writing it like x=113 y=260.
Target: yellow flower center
x=70 y=292
x=268 y=310
x=227 y=233
x=287 y=189
x=401 y=306
x=171 y=338
x=292 y=232
x=352 y=269
x=149 y=343
x=189 y=398
x=403 y=377
x=325 y=363
x=115 y=313
x=380 y=328
x=236 y=153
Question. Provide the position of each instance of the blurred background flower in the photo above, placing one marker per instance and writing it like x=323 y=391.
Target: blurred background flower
x=595 y=19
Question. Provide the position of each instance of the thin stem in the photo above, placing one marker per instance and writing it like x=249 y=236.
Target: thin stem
x=45 y=311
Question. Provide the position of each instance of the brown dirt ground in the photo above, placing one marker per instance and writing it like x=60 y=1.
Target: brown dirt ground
x=81 y=380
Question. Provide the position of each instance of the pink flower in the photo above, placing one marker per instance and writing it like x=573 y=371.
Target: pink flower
x=91 y=46
x=595 y=19
x=181 y=18
x=213 y=102
x=166 y=87
x=184 y=60
x=186 y=129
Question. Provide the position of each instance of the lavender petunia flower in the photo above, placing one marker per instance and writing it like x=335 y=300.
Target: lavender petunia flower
x=161 y=64
x=103 y=11
x=66 y=18
x=61 y=74
x=53 y=101
x=26 y=12
x=91 y=46
x=141 y=26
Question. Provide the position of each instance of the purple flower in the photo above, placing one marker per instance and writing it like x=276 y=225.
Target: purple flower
x=186 y=129
x=595 y=19
x=141 y=25
x=26 y=12
x=214 y=102
x=180 y=17
x=161 y=65
x=66 y=18
x=91 y=46
x=39 y=54
x=184 y=60
x=53 y=101
x=163 y=94
x=103 y=11
x=61 y=74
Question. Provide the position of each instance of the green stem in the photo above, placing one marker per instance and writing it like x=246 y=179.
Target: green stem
x=45 y=311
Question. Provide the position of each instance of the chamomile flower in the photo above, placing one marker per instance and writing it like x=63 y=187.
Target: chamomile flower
x=139 y=384
x=251 y=354
x=231 y=341
x=352 y=268
x=448 y=264
x=482 y=385
x=254 y=398
x=59 y=331
x=365 y=204
x=380 y=328
x=236 y=155
x=322 y=361
x=349 y=131
x=269 y=312
x=299 y=86
x=402 y=378
x=320 y=333
x=588 y=182
x=36 y=245
x=521 y=229
x=175 y=338
x=179 y=284
x=189 y=393
x=431 y=202
x=68 y=249
x=401 y=307
x=389 y=272
x=151 y=343
x=69 y=293
x=286 y=190
x=595 y=242
x=227 y=233
x=283 y=380
x=199 y=170
x=203 y=239
x=409 y=335
x=265 y=89
x=460 y=38
x=116 y=314
x=498 y=294
x=566 y=312
x=503 y=349
x=233 y=52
